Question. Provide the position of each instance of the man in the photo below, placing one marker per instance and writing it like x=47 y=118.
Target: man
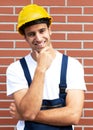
x=34 y=102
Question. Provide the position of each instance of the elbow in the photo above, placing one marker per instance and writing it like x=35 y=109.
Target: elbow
x=75 y=119
x=29 y=116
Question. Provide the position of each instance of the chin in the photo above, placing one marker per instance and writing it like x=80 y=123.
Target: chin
x=40 y=49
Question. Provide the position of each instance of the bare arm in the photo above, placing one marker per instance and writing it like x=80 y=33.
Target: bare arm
x=68 y=115
x=28 y=101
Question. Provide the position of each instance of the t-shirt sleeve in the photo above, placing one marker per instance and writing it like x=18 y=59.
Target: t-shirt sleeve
x=15 y=78
x=75 y=75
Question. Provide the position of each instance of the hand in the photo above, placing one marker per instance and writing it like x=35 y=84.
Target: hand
x=45 y=58
x=13 y=112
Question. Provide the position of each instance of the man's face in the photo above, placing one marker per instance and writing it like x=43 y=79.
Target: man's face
x=38 y=36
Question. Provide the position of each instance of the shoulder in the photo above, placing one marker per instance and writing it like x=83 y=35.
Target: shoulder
x=16 y=66
x=74 y=64
x=15 y=78
x=75 y=75
x=13 y=66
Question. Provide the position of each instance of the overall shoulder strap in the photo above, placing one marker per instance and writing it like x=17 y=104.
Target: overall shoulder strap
x=26 y=70
x=63 y=84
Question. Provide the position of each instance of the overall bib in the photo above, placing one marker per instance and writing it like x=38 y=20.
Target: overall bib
x=49 y=104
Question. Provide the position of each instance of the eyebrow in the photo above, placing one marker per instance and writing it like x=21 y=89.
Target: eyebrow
x=33 y=32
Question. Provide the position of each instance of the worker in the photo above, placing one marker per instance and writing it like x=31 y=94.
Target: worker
x=46 y=85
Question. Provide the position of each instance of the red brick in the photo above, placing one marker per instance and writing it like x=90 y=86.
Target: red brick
x=14 y=3
x=18 y=9
x=66 y=10
x=7 y=121
x=88 y=27
x=89 y=79
x=80 y=19
x=88 y=70
x=10 y=36
x=88 y=10
x=2 y=79
x=89 y=96
x=13 y=53
x=88 y=105
x=6 y=44
x=86 y=121
x=77 y=128
x=50 y=2
x=6 y=10
x=88 y=113
x=80 y=53
x=7 y=128
x=8 y=19
x=6 y=27
x=80 y=36
x=58 y=19
x=58 y=36
x=80 y=3
x=89 y=87
x=88 y=62
x=88 y=45
x=88 y=128
x=4 y=113
x=3 y=70
x=2 y=87
x=4 y=96
x=6 y=61
x=67 y=45
x=4 y=104
x=66 y=27
x=22 y=44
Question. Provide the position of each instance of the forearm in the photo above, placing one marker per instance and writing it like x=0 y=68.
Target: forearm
x=51 y=117
x=31 y=102
x=68 y=115
x=57 y=117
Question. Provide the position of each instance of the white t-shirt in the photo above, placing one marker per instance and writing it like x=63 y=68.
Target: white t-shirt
x=17 y=81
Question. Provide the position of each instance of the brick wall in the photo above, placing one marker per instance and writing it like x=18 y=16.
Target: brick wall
x=72 y=34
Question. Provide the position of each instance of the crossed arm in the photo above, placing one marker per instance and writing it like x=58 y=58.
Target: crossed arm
x=68 y=115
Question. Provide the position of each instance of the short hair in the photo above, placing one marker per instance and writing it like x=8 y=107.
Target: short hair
x=47 y=21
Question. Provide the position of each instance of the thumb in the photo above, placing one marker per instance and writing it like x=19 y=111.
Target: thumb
x=36 y=54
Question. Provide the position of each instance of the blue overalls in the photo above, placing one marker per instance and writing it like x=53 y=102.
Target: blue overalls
x=48 y=104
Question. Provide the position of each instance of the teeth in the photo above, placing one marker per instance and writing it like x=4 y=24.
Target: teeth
x=39 y=44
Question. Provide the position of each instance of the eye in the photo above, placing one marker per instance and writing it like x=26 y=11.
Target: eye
x=42 y=30
x=31 y=34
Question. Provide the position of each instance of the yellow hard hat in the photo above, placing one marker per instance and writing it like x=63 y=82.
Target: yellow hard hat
x=31 y=12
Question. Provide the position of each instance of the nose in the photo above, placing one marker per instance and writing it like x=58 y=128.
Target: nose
x=38 y=37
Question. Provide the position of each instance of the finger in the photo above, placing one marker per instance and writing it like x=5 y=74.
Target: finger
x=45 y=49
x=36 y=54
x=12 y=114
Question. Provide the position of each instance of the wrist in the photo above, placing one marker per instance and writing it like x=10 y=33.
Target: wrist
x=41 y=69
